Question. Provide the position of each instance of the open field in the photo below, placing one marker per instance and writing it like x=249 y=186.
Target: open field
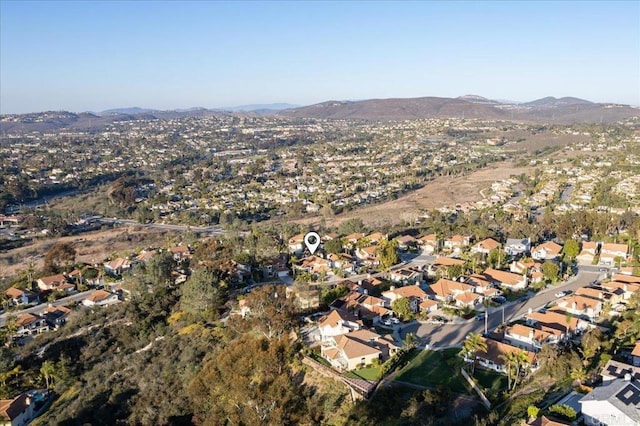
x=430 y=369
x=440 y=192
x=91 y=247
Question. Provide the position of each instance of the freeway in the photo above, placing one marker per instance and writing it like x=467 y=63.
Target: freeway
x=446 y=335
x=41 y=307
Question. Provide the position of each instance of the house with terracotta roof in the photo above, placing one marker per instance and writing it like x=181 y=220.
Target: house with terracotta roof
x=588 y=253
x=406 y=242
x=362 y=306
x=18 y=296
x=117 y=267
x=296 y=243
x=626 y=288
x=492 y=357
x=428 y=306
x=30 y=325
x=369 y=285
x=56 y=316
x=57 y=282
x=442 y=264
x=545 y=421
x=581 y=305
x=531 y=338
x=145 y=256
x=557 y=319
x=406 y=276
x=338 y=322
x=412 y=292
x=546 y=251
x=368 y=255
x=349 y=351
x=457 y=243
x=482 y=285
x=609 y=252
x=429 y=243
x=506 y=279
x=376 y=237
x=314 y=265
x=600 y=293
x=100 y=298
x=352 y=239
x=446 y=290
x=485 y=246
x=180 y=252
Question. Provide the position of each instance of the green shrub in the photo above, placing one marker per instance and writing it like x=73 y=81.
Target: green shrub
x=563 y=411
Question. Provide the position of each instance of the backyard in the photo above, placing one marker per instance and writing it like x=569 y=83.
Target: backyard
x=431 y=369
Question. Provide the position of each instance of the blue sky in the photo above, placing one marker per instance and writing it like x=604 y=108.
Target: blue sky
x=89 y=55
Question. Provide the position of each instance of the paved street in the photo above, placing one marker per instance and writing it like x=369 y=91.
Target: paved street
x=41 y=307
x=445 y=335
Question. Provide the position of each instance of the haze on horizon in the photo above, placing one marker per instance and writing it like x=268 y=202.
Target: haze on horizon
x=92 y=56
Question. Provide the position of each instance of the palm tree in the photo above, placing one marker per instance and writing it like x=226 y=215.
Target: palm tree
x=521 y=361
x=473 y=343
x=579 y=374
x=509 y=365
x=48 y=370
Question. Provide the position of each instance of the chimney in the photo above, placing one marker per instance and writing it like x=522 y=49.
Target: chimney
x=627 y=377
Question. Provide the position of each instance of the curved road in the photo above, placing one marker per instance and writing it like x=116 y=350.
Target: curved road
x=453 y=334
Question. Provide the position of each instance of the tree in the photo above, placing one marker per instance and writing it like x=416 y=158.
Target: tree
x=402 y=308
x=388 y=253
x=591 y=343
x=571 y=249
x=351 y=226
x=550 y=270
x=159 y=268
x=249 y=382
x=473 y=344
x=579 y=374
x=271 y=311
x=202 y=294
x=59 y=257
x=496 y=257
x=48 y=371
x=532 y=412
x=334 y=246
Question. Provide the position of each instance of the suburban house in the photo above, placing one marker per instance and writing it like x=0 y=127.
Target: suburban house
x=626 y=288
x=296 y=243
x=406 y=276
x=618 y=370
x=485 y=246
x=467 y=299
x=30 y=325
x=55 y=283
x=347 y=352
x=100 y=298
x=442 y=264
x=530 y=338
x=545 y=421
x=56 y=316
x=406 y=242
x=117 y=266
x=18 y=411
x=581 y=305
x=412 y=292
x=492 y=357
x=18 y=296
x=145 y=256
x=375 y=237
x=429 y=243
x=600 y=294
x=314 y=265
x=457 y=243
x=635 y=355
x=616 y=402
x=428 y=306
x=546 y=251
x=609 y=252
x=368 y=255
x=523 y=267
x=558 y=320
x=588 y=253
x=337 y=322
x=352 y=239
x=369 y=285
x=517 y=246
x=506 y=279
x=180 y=252
x=482 y=285
x=362 y=306
x=446 y=290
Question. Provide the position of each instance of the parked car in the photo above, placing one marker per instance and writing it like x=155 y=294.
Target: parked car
x=395 y=320
x=500 y=299
x=480 y=317
x=386 y=322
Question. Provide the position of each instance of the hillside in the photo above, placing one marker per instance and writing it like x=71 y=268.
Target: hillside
x=547 y=110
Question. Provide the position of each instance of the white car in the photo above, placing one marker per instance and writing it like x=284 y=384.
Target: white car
x=395 y=320
x=560 y=294
x=386 y=322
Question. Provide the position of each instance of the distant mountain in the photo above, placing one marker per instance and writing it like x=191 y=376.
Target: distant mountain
x=261 y=107
x=130 y=110
x=547 y=110
x=550 y=101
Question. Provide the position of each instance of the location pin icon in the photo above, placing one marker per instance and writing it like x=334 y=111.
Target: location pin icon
x=312 y=241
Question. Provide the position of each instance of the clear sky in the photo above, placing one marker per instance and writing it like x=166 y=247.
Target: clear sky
x=91 y=56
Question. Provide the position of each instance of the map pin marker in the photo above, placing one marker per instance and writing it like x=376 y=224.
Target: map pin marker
x=312 y=241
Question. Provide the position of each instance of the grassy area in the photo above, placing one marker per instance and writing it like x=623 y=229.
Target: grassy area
x=490 y=379
x=430 y=368
x=369 y=373
x=317 y=357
